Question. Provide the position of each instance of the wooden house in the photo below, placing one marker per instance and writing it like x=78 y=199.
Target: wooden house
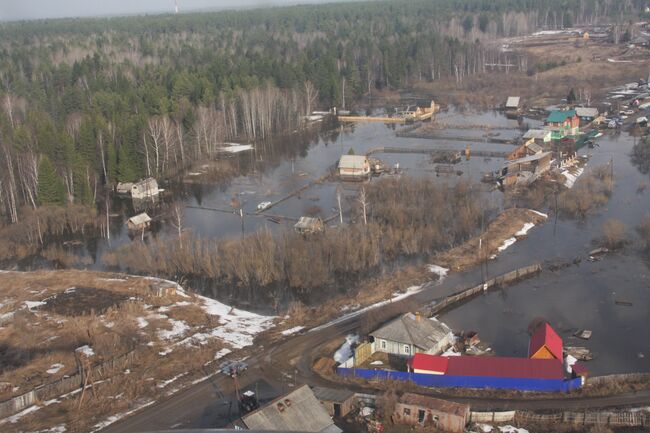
x=139 y=222
x=308 y=225
x=411 y=333
x=563 y=123
x=145 y=188
x=526 y=170
x=354 y=167
x=539 y=136
x=442 y=415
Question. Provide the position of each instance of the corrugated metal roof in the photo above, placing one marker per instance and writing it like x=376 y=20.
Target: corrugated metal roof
x=512 y=102
x=560 y=116
x=297 y=411
x=538 y=134
x=489 y=366
x=437 y=364
x=331 y=394
x=407 y=329
x=546 y=336
x=435 y=404
x=353 y=161
x=530 y=158
x=586 y=112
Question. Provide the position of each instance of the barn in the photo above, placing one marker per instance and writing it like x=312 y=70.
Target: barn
x=354 y=167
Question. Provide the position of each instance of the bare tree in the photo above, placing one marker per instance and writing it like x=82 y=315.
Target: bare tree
x=363 y=201
x=311 y=95
x=177 y=221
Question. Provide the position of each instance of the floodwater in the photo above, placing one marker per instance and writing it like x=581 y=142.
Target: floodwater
x=582 y=296
x=579 y=297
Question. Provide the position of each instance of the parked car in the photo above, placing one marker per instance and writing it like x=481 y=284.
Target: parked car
x=233 y=368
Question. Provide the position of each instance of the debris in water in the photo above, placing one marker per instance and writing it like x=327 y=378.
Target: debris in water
x=585 y=334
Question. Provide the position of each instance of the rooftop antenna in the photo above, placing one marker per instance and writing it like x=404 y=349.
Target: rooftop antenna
x=176 y=6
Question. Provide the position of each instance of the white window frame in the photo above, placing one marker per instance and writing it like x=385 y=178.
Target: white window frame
x=407 y=349
x=382 y=344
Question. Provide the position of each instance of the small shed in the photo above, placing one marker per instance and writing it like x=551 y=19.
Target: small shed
x=139 y=222
x=309 y=225
x=587 y=114
x=414 y=409
x=512 y=103
x=145 y=188
x=338 y=402
x=536 y=164
x=124 y=188
x=354 y=167
x=539 y=136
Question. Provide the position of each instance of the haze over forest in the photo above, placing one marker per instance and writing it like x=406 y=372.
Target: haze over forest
x=11 y=10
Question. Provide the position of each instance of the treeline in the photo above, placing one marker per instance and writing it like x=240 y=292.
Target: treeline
x=406 y=217
x=87 y=103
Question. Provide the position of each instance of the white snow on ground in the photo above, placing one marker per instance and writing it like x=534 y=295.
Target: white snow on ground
x=539 y=213
x=239 y=327
x=86 y=350
x=15 y=418
x=396 y=297
x=511 y=429
x=56 y=429
x=376 y=363
x=572 y=176
x=610 y=60
x=367 y=411
x=450 y=352
x=70 y=290
x=485 y=428
x=6 y=316
x=54 y=368
x=178 y=329
x=293 y=330
x=525 y=229
x=142 y=322
x=345 y=351
x=172 y=380
x=508 y=242
x=556 y=32
x=112 y=419
x=221 y=353
x=439 y=271
x=33 y=304
x=112 y=279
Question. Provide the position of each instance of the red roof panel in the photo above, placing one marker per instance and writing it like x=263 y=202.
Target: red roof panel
x=489 y=366
x=546 y=336
x=430 y=362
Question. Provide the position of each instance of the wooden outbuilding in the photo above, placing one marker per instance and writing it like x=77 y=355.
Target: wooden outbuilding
x=337 y=402
x=145 y=188
x=414 y=409
x=308 y=225
x=139 y=222
x=354 y=167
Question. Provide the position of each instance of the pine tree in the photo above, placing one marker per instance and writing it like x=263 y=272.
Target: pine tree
x=50 y=186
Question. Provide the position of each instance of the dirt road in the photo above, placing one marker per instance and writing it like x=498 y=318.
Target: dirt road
x=280 y=367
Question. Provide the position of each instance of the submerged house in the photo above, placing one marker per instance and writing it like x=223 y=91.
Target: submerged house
x=308 y=225
x=146 y=188
x=526 y=170
x=414 y=409
x=354 y=167
x=298 y=410
x=512 y=105
x=587 y=114
x=139 y=222
x=539 y=136
x=563 y=123
x=411 y=333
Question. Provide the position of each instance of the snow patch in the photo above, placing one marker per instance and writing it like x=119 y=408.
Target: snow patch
x=33 y=304
x=15 y=418
x=56 y=429
x=376 y=363
x=178 y=329
x=293 y=330
x=54 y=368
x=511 y=429
x=142 y=322
x=396 y=297
x=543 y=215
x=172 y=380
x=86 y=350
x=439 y=271
x=525 y=229
x=221 y=353
x=345 y=351
x=114 y=418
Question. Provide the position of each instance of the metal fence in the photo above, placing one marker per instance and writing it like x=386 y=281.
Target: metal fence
x=614 y=419
x=474 y=382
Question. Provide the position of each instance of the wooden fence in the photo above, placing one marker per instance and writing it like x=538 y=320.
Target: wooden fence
x=497 y=417
x=508 y=278
x=65 y=385
x=614 y=419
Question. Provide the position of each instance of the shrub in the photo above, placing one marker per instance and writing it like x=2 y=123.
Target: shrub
x=614 y=234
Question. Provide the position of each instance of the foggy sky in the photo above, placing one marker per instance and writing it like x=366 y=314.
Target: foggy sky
x=35 y=9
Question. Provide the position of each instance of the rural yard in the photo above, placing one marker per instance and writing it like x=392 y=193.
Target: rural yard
x=361 y=217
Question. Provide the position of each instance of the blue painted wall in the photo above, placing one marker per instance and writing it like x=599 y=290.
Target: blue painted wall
x=443 y=381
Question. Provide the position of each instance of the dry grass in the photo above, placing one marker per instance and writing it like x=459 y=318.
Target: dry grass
x=505 y=226
x=35 y=339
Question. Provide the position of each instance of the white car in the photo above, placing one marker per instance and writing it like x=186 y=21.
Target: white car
x=263 y=205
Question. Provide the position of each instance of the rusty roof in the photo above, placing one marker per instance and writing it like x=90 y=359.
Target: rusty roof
x=436 y=404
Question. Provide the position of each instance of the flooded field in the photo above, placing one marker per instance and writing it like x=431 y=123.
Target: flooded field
x=581 y=296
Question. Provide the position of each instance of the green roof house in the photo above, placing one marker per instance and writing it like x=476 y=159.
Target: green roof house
x=563 y=123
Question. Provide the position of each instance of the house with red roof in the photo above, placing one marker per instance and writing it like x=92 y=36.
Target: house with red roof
x=545 y=344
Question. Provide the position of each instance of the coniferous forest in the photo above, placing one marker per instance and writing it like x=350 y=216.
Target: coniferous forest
x=86 y=103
